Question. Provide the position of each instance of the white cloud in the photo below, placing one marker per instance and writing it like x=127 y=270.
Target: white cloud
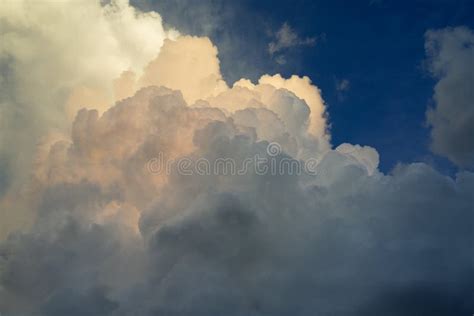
x=55 y=58
x=197 y=75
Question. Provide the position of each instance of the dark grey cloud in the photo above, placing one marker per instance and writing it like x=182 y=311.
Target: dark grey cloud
x=69 y=302
x=451 y=60
x=341 y=242
x=421 y=299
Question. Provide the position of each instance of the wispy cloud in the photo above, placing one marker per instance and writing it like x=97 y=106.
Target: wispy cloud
x=342 y=86
x=286 y=37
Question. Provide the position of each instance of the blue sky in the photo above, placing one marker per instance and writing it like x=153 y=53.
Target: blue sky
x=377 y=46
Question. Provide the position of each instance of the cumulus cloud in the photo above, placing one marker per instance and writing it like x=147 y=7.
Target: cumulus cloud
x=55 y=58
x=225 y=244
x=197 y=75
x=451 y=60
x=111 y=236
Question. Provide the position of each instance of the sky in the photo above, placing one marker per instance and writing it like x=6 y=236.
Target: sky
x=377 y=46
x=236 y=158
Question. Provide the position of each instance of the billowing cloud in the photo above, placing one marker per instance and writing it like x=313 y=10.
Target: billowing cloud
x=197 y=74
x=120 y=224
x=451 y=60
x=123 y=240
x=55 y=58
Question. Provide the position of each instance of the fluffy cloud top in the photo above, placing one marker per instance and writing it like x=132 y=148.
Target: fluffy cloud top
x=189 y=65
x=109 y=235
x=55 y=58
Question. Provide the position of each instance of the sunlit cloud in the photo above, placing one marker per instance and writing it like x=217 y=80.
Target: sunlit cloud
x=157 y=188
